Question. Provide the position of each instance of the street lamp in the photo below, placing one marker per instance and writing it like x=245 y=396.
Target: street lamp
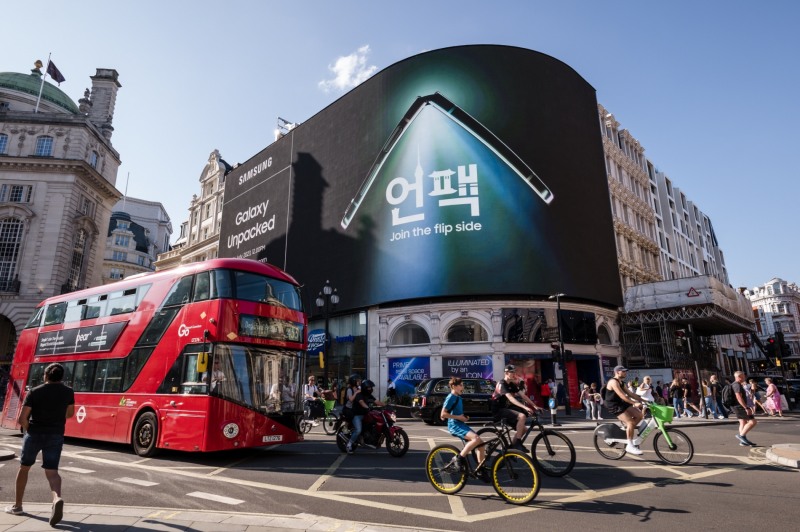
x=326 y=301
x=561 y=361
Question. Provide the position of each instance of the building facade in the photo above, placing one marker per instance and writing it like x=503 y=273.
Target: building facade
x=199 y=235
x=138 y=232
x=776 y=309
x=58 y=171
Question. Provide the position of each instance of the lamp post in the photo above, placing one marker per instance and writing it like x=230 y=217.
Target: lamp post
x=561 y=361
x=326 y=301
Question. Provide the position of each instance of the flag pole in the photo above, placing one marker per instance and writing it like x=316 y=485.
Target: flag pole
x=41 y=87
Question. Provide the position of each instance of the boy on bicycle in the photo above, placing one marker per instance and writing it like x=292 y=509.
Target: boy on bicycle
x=453 y=412
x=513 y=406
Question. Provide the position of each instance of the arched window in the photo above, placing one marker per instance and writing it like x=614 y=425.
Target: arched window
x=44 y=146
x=3 y=143
x=10 y=242
x=410 y=334
x=466 y=331
x=603 y=336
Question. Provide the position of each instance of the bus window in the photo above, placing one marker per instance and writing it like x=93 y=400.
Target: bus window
x=253 y=287
x=95 y=307
x=140 y=293
x=108 y=375
x=55 y=314
x=202 y=287
x=36 y=375
x=180 y=292
x=84 y=373
x=157 y=326
x=121 y=303
x=36 y=319
x=135 y=363
x=74 y=311
x=221 y=286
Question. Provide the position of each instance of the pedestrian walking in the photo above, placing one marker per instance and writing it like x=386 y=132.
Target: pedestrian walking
x=43 y=418
x=594 y=393
x=687 y=399
x=710 y=404
x=676 y=396
x=586 y=401
x=753 y=397
x=716 y=398
x=744 y=413
x=773 y=402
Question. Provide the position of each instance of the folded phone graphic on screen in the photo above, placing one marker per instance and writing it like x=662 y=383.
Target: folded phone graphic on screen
x=453 y=112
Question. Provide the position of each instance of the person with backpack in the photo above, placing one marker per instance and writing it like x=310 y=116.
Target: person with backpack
x=716 y=397
x=734 y=395
x=512 y=405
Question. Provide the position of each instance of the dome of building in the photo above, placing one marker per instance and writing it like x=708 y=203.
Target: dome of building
x=30 y=83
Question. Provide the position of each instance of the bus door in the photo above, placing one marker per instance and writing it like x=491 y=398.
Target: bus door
x=183 y=409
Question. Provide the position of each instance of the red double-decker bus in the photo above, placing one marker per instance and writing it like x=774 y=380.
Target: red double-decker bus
x=205 y=357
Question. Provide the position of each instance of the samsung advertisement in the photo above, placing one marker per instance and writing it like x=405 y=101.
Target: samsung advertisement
x=466 y=171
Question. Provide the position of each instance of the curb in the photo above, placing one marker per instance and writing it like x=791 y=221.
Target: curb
x=7 y=455
x=782 y=460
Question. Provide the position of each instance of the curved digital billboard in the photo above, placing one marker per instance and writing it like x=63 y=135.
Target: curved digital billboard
x=466 y=171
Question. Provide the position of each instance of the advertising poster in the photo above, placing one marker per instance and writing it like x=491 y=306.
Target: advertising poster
x=471 y=367
x=407 y=373
x=448 y=163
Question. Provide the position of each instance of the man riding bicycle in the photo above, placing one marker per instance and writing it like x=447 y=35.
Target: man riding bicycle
x=513 y=405
x=625 y=406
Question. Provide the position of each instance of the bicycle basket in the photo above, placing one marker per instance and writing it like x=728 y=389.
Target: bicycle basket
x=662 y=413
x=329 y=405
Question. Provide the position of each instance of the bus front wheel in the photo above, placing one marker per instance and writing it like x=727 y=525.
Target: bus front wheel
x=145 y=435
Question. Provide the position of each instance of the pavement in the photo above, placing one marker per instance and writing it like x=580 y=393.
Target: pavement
x=98 y=518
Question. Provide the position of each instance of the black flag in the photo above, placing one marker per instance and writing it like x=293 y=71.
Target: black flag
x=54 y=73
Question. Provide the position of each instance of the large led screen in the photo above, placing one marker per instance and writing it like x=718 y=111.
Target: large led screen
x=467 y=171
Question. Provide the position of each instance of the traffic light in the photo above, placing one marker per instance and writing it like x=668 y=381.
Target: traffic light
x=568 y=355
x=770 y=347
x=680 y=338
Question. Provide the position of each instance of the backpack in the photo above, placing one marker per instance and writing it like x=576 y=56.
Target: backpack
x=728 y=398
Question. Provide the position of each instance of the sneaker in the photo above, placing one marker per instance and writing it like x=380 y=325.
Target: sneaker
x=632 y=449
x=14 y=510
x=349 y=449
x=57 y=513
x=688 y=414
x=720 y=417
x=742 y=439
x=751 y=444
x=519 y=447
x=742 y=444
x=455 y=464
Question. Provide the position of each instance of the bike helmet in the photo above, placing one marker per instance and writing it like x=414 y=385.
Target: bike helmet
x=367 y=386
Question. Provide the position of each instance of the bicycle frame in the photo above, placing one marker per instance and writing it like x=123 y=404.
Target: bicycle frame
x=645 y=432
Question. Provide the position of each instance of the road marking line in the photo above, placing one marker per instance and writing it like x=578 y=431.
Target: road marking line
x=431 y=442
x=578 y=484
x=212 y=497
x=325 y=476
x=76 y=470
x=128 y=480
x=232 y=464
x=457 y=506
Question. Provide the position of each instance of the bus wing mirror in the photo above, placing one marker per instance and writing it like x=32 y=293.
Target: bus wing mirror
x=202 y=362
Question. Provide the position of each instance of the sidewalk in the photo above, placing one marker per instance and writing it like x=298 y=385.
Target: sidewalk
x=129 y=519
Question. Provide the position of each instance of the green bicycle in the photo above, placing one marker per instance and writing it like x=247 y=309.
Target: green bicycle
x=671 y=445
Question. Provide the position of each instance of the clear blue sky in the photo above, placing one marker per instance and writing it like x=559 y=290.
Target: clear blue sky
x=710 y=89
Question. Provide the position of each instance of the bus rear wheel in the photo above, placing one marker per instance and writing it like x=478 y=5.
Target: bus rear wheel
x=145 y=435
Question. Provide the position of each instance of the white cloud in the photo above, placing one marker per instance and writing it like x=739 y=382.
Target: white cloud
x=349 y=71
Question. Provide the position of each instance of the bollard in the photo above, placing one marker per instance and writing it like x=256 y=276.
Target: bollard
x=553 y=411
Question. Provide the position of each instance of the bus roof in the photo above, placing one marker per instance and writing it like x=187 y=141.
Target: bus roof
x=247 y=265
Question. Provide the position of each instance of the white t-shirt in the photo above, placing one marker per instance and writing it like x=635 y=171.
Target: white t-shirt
x=645 y=391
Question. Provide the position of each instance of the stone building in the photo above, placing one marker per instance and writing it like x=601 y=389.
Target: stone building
x=776 y=309
x=199 y=235
x=58 y=171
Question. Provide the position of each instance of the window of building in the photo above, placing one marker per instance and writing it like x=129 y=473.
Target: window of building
x=3 y=144
x=5 y=106
x=410 y=334
x=16 y=193
x=119 y=256
x=466 y=331
x=116 y=273
x=142 y=260
x=76 y=264
x=44 y=146
x=122 y=240
x=87 y=206
x=10 y=242
x=93 y=157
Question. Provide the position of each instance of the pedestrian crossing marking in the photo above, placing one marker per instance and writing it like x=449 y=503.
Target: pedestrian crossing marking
x=212 y=497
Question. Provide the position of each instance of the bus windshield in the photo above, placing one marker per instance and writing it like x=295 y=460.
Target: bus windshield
x=261 y=378
x=255 y=287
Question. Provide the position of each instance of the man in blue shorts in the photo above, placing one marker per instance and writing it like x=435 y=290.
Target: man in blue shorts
x=453 y=412
x=42 y=418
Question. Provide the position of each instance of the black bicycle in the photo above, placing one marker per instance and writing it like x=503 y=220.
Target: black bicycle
x=551 y=451
x=514 y=476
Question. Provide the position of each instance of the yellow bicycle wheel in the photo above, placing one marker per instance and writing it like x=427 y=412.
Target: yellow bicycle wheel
x=445 y=475
x=515 y=477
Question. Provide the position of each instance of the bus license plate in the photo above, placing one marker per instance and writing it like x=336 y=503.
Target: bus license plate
x=277 y=437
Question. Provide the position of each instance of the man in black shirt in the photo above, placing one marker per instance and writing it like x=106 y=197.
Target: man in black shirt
x=745 y=414
x=623 y=404
x=42 y=418
x=513 y=406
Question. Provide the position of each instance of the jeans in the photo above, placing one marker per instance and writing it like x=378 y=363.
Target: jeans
x=711 y=404
x=587 y=404
x=357 y=420
x=677 y=404
x=595 y=409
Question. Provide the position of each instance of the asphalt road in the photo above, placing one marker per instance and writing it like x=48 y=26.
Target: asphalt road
x=724 y=484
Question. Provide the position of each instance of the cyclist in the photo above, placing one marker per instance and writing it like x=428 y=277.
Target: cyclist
x=513 y=405
x=625 y=405
x=453 y=412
